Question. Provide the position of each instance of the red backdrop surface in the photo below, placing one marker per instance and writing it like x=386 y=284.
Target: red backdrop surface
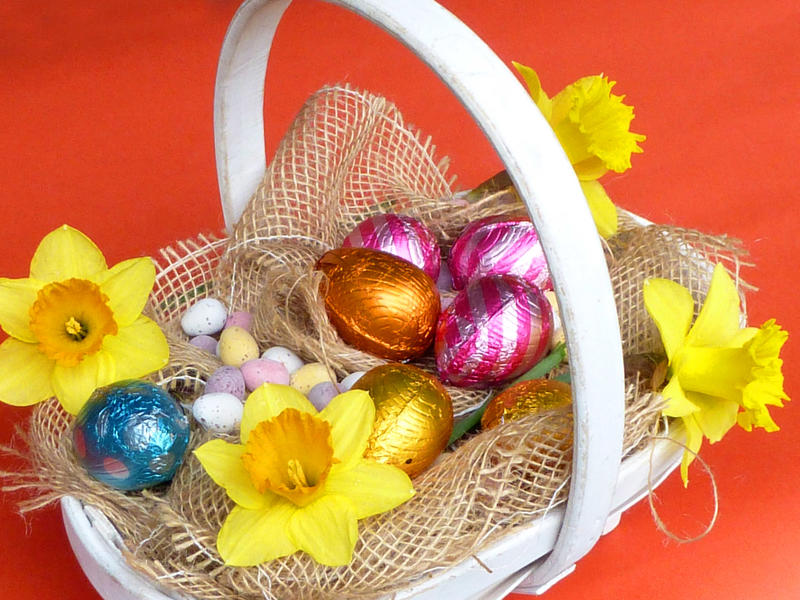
x=106 y=124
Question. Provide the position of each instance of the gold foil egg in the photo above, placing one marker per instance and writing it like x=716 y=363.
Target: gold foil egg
x=413 y=416
x=526 y=398
x=379 y=303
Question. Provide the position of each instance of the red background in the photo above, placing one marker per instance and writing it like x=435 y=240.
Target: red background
x=106 y=124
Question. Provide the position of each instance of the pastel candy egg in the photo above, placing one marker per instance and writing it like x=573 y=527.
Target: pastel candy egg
x=290 y=360
x=307 y=376
x=218 y=412
x=204 y=342
x=240 y=318
x=322 y=393
x=496 y=329
x=237 y=346
x=226 y=379
x=204 y=317
x=346 y=383
x=501 y=245
x=264 y=370
x=402 y=236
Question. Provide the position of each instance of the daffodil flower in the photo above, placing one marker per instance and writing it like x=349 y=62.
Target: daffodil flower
x=719 y=374
x=593 y=127
x=75 y=324
x=299 y=479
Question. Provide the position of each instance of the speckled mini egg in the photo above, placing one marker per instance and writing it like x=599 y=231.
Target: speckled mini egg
x=237 y=346
x=401 y=236
x=218 y=412
x=290 y=360
x=130 y=435
x=307 y=376
x=204 y=317
x=500 y=245
x=379 y=303
x=264 y=370
x=348 y=382
x=240 y=318
x=204 y=342
x=227 y=379
x=321 y=394
x=496 y=329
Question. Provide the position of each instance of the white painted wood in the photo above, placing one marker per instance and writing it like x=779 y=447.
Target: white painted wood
x=545 y=180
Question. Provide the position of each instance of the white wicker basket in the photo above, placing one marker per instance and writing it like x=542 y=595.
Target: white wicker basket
x=601 y=486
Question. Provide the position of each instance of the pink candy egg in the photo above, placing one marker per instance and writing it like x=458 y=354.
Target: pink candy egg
x=263 y=370
x=240 y=318
x=496 y=329
x=401 y=236
x=228 y=380
x=501 y=245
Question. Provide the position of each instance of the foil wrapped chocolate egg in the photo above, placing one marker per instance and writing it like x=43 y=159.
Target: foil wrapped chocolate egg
x=379 y=303
x=496 y=329
x=413 y=416
x=131 y=435
x=401 y=236
x=526 y=398
x=500 y=245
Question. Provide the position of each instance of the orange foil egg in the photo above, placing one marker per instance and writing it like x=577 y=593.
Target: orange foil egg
x=526 y=398
x=413 y=416
x=380 y=303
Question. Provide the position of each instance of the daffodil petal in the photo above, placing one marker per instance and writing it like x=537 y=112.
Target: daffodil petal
x=74 y=385
x=128 y=285
x=251 y=537
x=721 y=372
x=718 y=320
x=326 y=529
x=223 y=463
x=603 y=210
x=372 y=487
x=351 y=416
x=694 y=439
x=535 y=89
x=138 y=349
x=268 y=401
x=678 y=405
x=16 y=298
x=65 y=253
x=716 y=415
x=671 y=307
x=24 y=374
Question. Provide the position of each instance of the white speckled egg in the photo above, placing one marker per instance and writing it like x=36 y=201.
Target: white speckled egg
x=237 y=346
x=291 y=361
x=226 y=379
x=204 y=317
x=346 y=383
x=307 y=376
x=240 y=318
x=219 y=412
x=264 y=370
x=321 y=394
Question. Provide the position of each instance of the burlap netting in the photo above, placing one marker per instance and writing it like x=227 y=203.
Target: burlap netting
x=349 y=155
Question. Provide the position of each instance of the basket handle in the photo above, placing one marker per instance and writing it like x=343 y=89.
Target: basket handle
x=544 y=179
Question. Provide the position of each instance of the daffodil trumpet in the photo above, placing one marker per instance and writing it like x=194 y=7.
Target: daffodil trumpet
x=75 y=325
x=719 y=373
x=298 y=478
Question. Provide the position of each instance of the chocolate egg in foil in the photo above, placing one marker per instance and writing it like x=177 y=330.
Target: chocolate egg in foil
x=496 y=329
x=400 y=236
x=379 y=303
x=526 y=398
x=413 y=416
x=131 y=435
x=501 y=245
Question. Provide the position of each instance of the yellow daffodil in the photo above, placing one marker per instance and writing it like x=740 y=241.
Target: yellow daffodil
x=299 y=479
x=593 y=126
x=75 y=324
x=719 y=373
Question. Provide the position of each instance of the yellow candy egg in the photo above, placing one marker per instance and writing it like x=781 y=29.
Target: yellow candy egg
x=307 y=376
x=237 y=346
x=413 y=416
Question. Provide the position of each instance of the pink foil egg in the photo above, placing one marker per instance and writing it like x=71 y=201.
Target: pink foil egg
x=401 y=236
x=496 y=329
x=501 y=245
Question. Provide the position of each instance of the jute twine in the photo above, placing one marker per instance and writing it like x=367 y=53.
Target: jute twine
x=349 y=155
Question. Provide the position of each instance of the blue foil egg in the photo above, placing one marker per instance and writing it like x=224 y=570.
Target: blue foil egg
x=131 y=435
